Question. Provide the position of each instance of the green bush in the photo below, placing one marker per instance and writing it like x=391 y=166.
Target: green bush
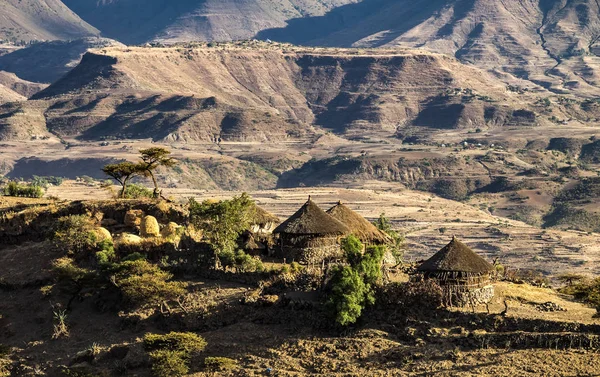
x=107 y=254
x=352 y=286
x=75 y=234
x=46 y=181
x=26 y=191
x=170 y=353
x=349 y=295
x=65 y=269
x=587 y=291
x=223 y=221
x=218 y=364
x=146 y=285
x=397 y=244
x=175 y=341
x=167 y=363
x=134 y=191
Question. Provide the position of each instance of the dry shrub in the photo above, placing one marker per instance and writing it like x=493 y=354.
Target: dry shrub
x=529 y=276
x=220 y=364
x=75 y=234
x=170 y=353
x=419 y=296
x=146 y=285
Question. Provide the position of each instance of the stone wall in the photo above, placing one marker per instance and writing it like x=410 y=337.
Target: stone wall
x=456 y=295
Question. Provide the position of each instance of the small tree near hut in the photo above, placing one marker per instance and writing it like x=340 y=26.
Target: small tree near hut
x=397 y=244
x=123 y=172
x=152 y=158
x=222 y=221
x=352 y=285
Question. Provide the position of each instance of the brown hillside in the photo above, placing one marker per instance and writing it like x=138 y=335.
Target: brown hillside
x=259 y=92
x=26 y=20
x=22 y=87
x=9 y=95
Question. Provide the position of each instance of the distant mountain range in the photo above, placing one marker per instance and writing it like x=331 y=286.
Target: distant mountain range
x=552 y=43
x=26 y=20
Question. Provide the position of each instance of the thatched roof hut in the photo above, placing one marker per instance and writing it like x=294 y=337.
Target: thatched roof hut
x=311 y=220
x=262 y=221
x=310 y=235
x=456 y=260
x=463 y=275
x=358 y=225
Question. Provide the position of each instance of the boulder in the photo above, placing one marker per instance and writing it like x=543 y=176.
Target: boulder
x=133 y=218
x=170 y=230
x=102 y=234
x=129 y=239
x=149 y=227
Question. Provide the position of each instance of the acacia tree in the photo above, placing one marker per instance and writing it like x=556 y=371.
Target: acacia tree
x=123 y=172
x=154 y=157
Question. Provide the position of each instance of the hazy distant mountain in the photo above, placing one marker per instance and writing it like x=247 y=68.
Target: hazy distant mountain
x=551 y=42
x=25 y=20
x=48 y=61
x=138 y=21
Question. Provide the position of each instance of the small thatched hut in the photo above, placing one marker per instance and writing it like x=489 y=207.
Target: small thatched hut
x=262 y=222
x=310 y=235
x=358 y=225
x=463 y=275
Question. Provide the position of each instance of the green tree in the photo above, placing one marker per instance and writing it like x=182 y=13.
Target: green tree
x=352 y=286
x=123 y=172
x=223 y=221
x=397 y=244
x=152 y=158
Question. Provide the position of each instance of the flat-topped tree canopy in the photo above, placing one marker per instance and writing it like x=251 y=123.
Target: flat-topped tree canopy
x=456 y=257
x=358 y=225
x=312 y=220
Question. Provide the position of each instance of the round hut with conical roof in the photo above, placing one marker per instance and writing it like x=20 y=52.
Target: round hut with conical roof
x=310 y=235
x=358 y=225
x=465 y=277
x=262 y=221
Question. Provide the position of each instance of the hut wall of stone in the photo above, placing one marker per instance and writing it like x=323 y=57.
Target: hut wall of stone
x=461 y=295
x=463 y=289
x=309 y=249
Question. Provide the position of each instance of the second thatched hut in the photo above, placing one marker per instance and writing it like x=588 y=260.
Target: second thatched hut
x=358 y=225
x=310 y=236
x=464 y=276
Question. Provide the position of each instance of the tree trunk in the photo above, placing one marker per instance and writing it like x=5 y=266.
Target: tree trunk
x=123 y=189
x=155 y=194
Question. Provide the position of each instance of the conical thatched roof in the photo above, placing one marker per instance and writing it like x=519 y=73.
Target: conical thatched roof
x=456 y=257
x=262 y=217
x=310 y=219
x=358 y=225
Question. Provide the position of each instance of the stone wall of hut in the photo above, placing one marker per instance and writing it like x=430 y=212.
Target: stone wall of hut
x=308 y=249
x=461 y=295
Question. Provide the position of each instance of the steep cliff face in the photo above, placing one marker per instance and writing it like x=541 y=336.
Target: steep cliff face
x=268 y=93
x=237 y=92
